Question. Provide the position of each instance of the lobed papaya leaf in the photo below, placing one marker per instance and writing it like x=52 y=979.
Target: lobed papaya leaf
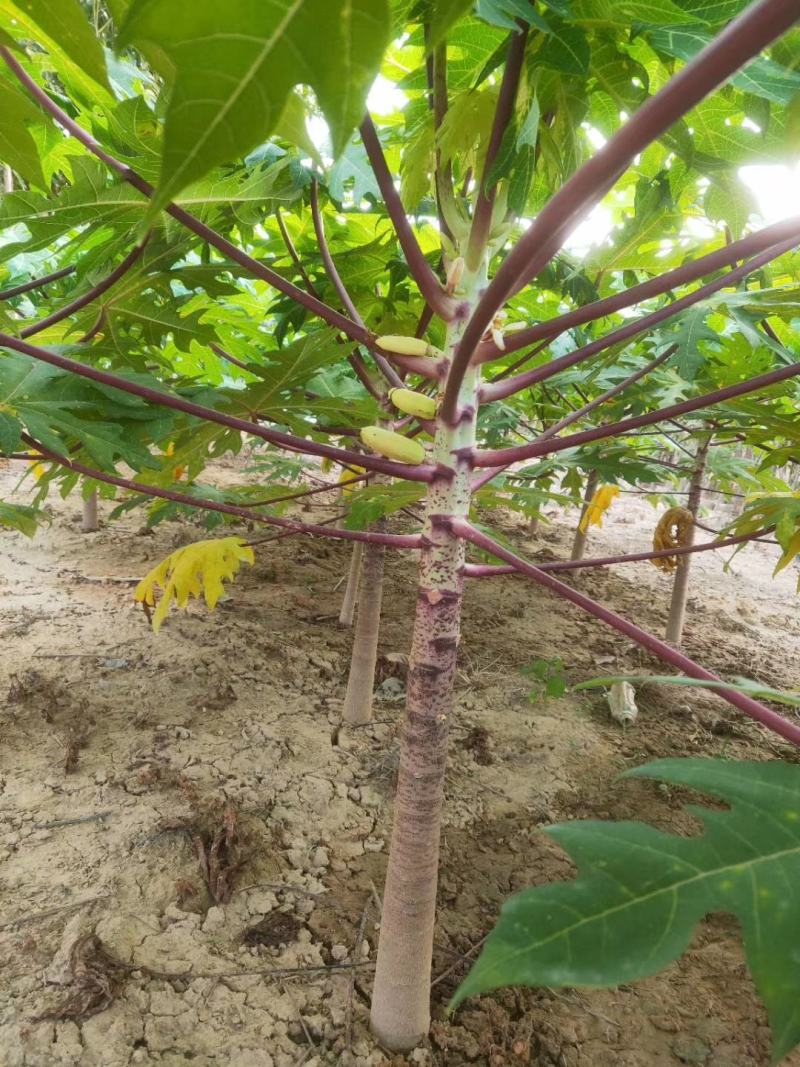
x=639 y=893
x=219 y=111
x=197 y=569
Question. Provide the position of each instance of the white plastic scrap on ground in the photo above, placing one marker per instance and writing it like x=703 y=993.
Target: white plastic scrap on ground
x=622 y=703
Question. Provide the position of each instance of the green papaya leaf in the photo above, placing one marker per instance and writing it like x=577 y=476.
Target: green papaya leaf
x=58 y=409
x=762 y=77
x=640 y=892
x=689 y=332
x=507 y=13
x=62 y=22
x=445 y=13
x=566 y=50
x=221 y=107
x=17 y=146
x=10 y=428
x=20 y=517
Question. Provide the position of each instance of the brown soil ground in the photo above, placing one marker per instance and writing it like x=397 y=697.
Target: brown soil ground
x=126 y=758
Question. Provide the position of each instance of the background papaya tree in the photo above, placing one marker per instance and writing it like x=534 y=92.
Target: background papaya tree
x=202 y=270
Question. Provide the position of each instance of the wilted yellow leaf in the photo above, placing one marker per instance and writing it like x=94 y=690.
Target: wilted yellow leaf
x=598 y=506
x=346 y=479
x=792 y=549
x=190 y=571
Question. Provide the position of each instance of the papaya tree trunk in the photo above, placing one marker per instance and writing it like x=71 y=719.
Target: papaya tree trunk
x=579 y=542
x=361 y=679
x=351 y=589
x=8 y=179
x=89 y=523
x=680 y=585
x=533 y=525
x=401 y=994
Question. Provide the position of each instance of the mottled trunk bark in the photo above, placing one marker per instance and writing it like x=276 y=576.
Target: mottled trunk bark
x=680 y=585
x=89 y=523
x=361 y=680
x=579 y=543
x=351 y=589
x=401 y=994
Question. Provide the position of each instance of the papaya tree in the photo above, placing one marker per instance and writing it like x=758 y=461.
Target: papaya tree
x=387 y=295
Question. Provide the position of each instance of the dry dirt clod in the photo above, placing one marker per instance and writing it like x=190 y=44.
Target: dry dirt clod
x=278 y=928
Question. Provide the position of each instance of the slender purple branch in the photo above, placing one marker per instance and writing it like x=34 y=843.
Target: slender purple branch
x=506 y=372
x=481 y=570
x=388 y=372
x=436 y=63
x=295 y=258
x=777 y=723
x=769 y=236
x=327 y=487
x=500 y=390
x=327 y=258
x=218 y=350
x=742 y=39
x=95 y=328
x=36 y=283
x=484 y=205
x=363 y=375
x=424 y=321
x=391 y=540
x=578 y=413
x=615 y=390
x=354 y=357
x=92 y=294
x=505 y=456
x=238 y=255
x=290 y=442
x=429 y=285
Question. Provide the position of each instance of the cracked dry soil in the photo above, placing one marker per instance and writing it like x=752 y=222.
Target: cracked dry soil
x=119 y=750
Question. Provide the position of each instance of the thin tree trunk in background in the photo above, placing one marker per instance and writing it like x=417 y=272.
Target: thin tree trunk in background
x=8 y=179
x=579 y=543
x=533 y=525
x=680 y=586
x=351 y=589
x=361 y=680
x=89 y=523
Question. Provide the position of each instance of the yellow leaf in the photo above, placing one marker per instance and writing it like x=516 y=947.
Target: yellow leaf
x=598 y=506
x=38 y=470
x=190 y=571
x=347 y=476
x=792 y=549
x=170 y=449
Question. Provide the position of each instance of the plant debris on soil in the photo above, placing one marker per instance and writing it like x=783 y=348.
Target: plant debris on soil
x=96 y=981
